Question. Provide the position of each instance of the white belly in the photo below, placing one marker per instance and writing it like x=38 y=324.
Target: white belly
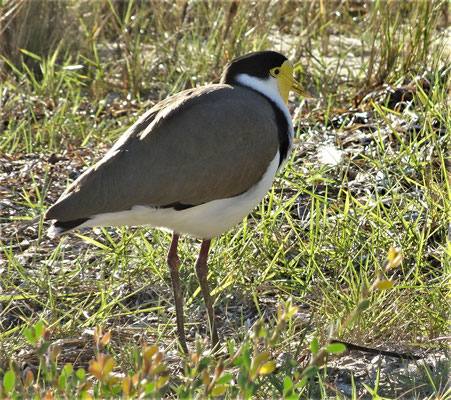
x=204 y=221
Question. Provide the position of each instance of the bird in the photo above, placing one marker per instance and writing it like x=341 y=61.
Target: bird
x=197 y=163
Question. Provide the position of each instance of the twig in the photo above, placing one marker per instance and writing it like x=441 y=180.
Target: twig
x=372 y=350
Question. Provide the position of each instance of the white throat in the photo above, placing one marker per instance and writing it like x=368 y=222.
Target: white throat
x=267 y=86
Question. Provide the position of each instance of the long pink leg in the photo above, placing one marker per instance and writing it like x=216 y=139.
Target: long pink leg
x=173 y=261
x=202 y=272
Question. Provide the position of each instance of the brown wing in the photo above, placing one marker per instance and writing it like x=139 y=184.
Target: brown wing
x=200 y=145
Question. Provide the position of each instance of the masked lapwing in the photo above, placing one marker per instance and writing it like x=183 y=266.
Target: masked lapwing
x=196 y=163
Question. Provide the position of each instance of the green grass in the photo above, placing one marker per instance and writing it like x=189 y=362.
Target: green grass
x=315 y=244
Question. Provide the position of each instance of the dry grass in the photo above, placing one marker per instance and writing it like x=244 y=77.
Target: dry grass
x=319 y=237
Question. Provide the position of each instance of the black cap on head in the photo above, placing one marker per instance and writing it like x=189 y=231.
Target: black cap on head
x=255 y=64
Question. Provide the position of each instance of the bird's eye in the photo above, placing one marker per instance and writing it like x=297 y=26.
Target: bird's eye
x=275 y=72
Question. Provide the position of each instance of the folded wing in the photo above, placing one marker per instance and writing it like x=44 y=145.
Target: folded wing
x=201 y=145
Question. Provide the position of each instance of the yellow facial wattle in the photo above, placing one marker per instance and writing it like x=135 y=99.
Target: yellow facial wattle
x=286 y=82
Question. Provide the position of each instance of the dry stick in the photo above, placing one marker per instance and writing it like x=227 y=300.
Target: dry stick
x=351 y=346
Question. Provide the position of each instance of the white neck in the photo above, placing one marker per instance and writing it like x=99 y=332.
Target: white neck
x=267 y=87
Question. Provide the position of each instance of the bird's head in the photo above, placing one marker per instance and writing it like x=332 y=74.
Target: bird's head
x=264 y=70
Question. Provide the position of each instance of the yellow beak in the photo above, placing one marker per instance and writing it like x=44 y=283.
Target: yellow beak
x=287 y=83
x=297 y=88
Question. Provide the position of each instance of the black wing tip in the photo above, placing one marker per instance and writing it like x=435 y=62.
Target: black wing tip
x=60 y=227
x=67 y=225
x=177 y=206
